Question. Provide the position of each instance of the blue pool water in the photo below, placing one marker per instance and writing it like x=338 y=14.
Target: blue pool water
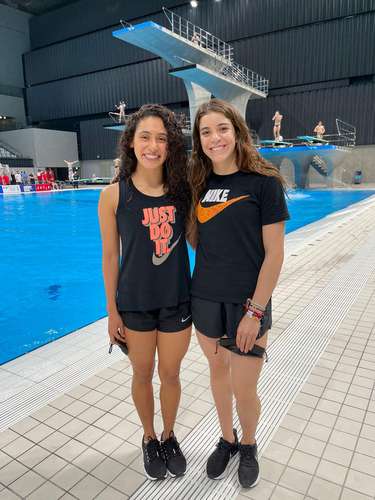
x=50 y=266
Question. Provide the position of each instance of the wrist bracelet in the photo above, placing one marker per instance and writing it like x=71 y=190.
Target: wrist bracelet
x=251 y=303
x=252 y=315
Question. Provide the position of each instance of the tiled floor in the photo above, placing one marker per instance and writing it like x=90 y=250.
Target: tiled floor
x=83 y=439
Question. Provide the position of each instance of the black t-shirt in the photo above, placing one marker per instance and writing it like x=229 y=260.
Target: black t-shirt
x=155 y=265
x=230 y=252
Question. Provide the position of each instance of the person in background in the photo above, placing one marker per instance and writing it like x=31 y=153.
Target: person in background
x=18 y=178
x=51 y=178
x=25 y=178
x=117 y=164
x=32 y=178
x=12 y=177
x=277 y=118
x=319 y=130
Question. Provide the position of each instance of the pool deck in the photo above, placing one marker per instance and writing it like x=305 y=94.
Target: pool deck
x=69 y=428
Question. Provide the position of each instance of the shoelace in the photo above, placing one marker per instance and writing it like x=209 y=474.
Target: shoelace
x=152 y=449
x=170 y=447
x=224 y=446
x=247 y=455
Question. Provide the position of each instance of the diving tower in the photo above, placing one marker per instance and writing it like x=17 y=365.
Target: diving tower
x=204 y=62
x=305 y=152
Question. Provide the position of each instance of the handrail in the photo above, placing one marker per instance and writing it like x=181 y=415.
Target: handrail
x=222 y=50
x=186 y=29
x=346 y=130
x=246 y=76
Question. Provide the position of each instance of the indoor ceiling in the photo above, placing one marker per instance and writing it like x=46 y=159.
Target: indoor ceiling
x=36 y=7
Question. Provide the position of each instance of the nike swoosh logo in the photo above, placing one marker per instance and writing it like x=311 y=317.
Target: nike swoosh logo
x=185 y=319
x=159 y=260
x=204 y=214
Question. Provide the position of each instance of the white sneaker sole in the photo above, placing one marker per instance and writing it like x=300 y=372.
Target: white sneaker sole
x=169 y=473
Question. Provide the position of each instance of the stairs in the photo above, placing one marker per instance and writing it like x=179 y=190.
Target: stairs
x=7 y=151
x=319 y=165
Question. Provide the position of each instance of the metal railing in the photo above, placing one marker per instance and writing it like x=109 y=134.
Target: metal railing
x=246 y=76
x=184 y=121
x=222 y=50
x=118 y=118
x=347 y=131
x=186 y=29
x=5 y=153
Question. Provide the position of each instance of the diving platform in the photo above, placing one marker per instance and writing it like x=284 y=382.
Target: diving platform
x=204 y=62
x=310 y=139
x=323 y=158
x=268 y=143
x=322 y=154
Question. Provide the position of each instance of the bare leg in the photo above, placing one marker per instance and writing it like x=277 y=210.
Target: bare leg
x=142 y=346
x=245 y=376
x=220 y=383
x=172 y=348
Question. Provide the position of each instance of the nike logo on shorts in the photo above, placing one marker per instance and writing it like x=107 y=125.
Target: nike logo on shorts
x=204 y=214
x=157 y=261
x=185 y=319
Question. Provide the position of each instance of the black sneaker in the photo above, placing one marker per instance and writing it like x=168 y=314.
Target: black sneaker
x=248 y=470
x=173 y=456
x=153 y=462
x=219 y=459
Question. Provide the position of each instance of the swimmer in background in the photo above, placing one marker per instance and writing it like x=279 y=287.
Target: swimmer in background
x=319 y=130
x=121 y=108
x=277 y=117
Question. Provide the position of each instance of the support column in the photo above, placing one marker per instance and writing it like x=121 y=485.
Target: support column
x=197 y=95
x=301 y=171
x=330 y=168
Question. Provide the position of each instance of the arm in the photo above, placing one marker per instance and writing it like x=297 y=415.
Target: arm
x=110 y=258
x=273 y=241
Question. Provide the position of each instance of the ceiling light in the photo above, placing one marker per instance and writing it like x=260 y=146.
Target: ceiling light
x=194 y=3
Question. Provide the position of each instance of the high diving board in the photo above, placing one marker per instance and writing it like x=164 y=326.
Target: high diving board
x=220 y=86
x=206 y=68
x=310 y=139
x=170 y=46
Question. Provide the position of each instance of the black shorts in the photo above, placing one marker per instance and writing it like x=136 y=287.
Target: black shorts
x=219 y=319
x=165 y=319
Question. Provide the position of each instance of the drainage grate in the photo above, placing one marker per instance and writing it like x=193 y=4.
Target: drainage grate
x=292 y=357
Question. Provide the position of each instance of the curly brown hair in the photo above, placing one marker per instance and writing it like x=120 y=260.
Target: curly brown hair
x=175 y=167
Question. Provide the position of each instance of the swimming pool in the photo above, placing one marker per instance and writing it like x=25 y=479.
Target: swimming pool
x=50 y=266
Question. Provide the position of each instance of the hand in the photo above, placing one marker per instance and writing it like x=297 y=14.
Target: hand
x=247 y=333
x=116 y=329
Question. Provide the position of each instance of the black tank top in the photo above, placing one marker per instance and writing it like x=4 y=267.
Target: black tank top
x=154 y=265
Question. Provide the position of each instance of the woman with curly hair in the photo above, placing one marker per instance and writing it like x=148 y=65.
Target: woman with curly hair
x=148 y=295
x=237 y=222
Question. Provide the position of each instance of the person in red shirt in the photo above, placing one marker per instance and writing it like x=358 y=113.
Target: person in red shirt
x=51 y=178
x=39 y=176
x=45 y=176
x=5 y=180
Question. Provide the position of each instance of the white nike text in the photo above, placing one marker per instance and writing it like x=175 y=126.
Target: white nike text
x=217 y=195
